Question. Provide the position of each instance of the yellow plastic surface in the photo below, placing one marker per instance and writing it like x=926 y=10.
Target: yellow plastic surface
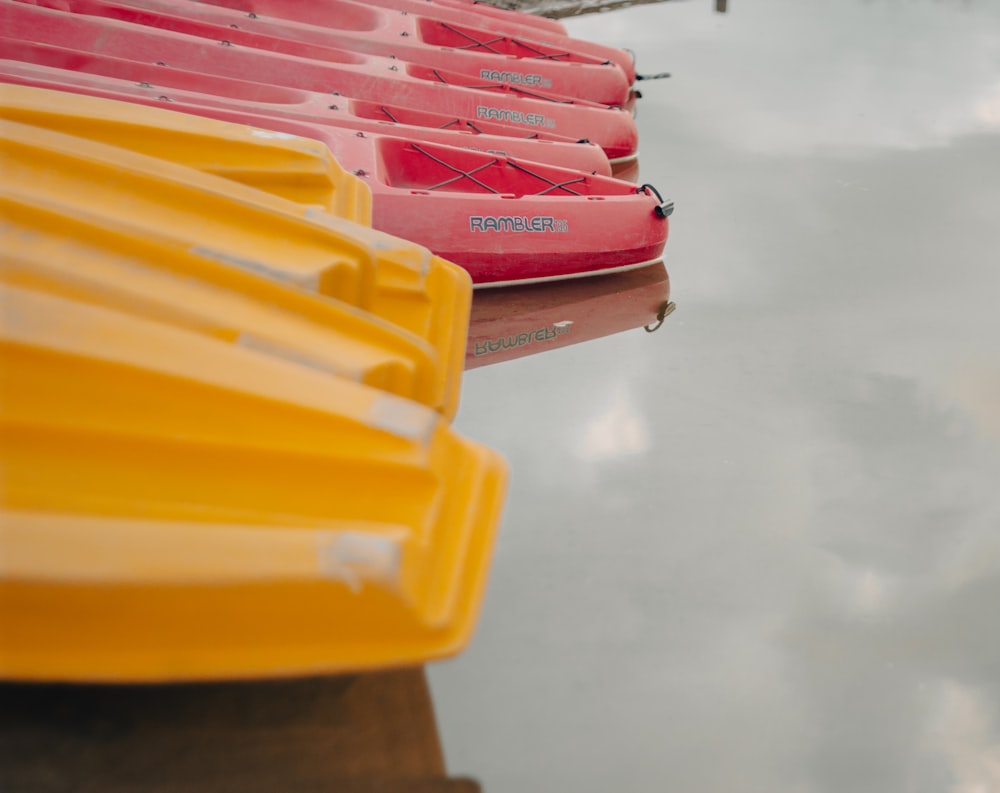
x=179 y=508
x=293 y=167
x=44 y=251
x=246 y=230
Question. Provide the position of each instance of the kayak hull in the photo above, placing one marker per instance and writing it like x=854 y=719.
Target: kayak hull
x=211 y=513
x=501 y=219
x=200 y=226
x=531 y=240
x=151 y=85
x=362 y=28
x=358 y=76
x=49 y=251
x=462 y=14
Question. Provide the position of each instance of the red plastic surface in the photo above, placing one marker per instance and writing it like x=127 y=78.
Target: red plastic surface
x=481 y=54
x=359 y=76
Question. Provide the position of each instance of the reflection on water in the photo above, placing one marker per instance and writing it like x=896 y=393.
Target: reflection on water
x=511 y=322
x=766 y=554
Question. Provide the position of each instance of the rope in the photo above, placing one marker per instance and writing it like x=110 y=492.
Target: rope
x=467 y=174
x=552 y=185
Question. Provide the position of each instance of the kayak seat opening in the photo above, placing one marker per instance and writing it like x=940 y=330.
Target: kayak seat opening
x=446 y=34
x=328 y=14
x=413 y=165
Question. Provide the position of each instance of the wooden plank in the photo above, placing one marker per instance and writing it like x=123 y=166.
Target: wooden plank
x=365 y=734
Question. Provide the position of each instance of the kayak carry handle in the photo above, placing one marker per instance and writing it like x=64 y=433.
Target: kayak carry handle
x=662 y=210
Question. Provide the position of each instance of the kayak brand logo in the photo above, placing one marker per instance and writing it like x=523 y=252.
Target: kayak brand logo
x=487 y=151
x=517 y=223
x=512 y=342
x=513 y=116
x=517 y=78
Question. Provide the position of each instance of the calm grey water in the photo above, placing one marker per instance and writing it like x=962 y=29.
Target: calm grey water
x=759 y=550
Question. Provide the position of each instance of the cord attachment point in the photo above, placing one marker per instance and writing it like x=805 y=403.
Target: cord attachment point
x=662 y=210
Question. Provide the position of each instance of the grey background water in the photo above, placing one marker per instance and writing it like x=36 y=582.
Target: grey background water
x=759 y=550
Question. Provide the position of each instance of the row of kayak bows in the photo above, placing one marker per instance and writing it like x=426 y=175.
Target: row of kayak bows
x=236 y=313
x=517 y=207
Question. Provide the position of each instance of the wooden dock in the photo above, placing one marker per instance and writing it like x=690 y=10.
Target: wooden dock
x=371 y=733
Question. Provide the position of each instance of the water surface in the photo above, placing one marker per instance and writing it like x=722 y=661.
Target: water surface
x=759 y=550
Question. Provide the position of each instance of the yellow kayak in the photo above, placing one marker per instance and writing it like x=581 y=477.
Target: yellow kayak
x=44 y=251
x=293 y=167
x=176 y=507
x=118 y=195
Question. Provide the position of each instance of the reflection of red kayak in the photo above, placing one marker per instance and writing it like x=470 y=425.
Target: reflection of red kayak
x=501 y=219
x=525 y=320
x=359 y=76
x=278 y=108
x=352 y=26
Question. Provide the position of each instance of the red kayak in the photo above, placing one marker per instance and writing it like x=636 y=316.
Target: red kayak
x=503 y=220
x=49 y=67
x=507 y=221
x=504 y=15
x=458 y=14
x=526 y=320
x=376 y=31
x=359 y=76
